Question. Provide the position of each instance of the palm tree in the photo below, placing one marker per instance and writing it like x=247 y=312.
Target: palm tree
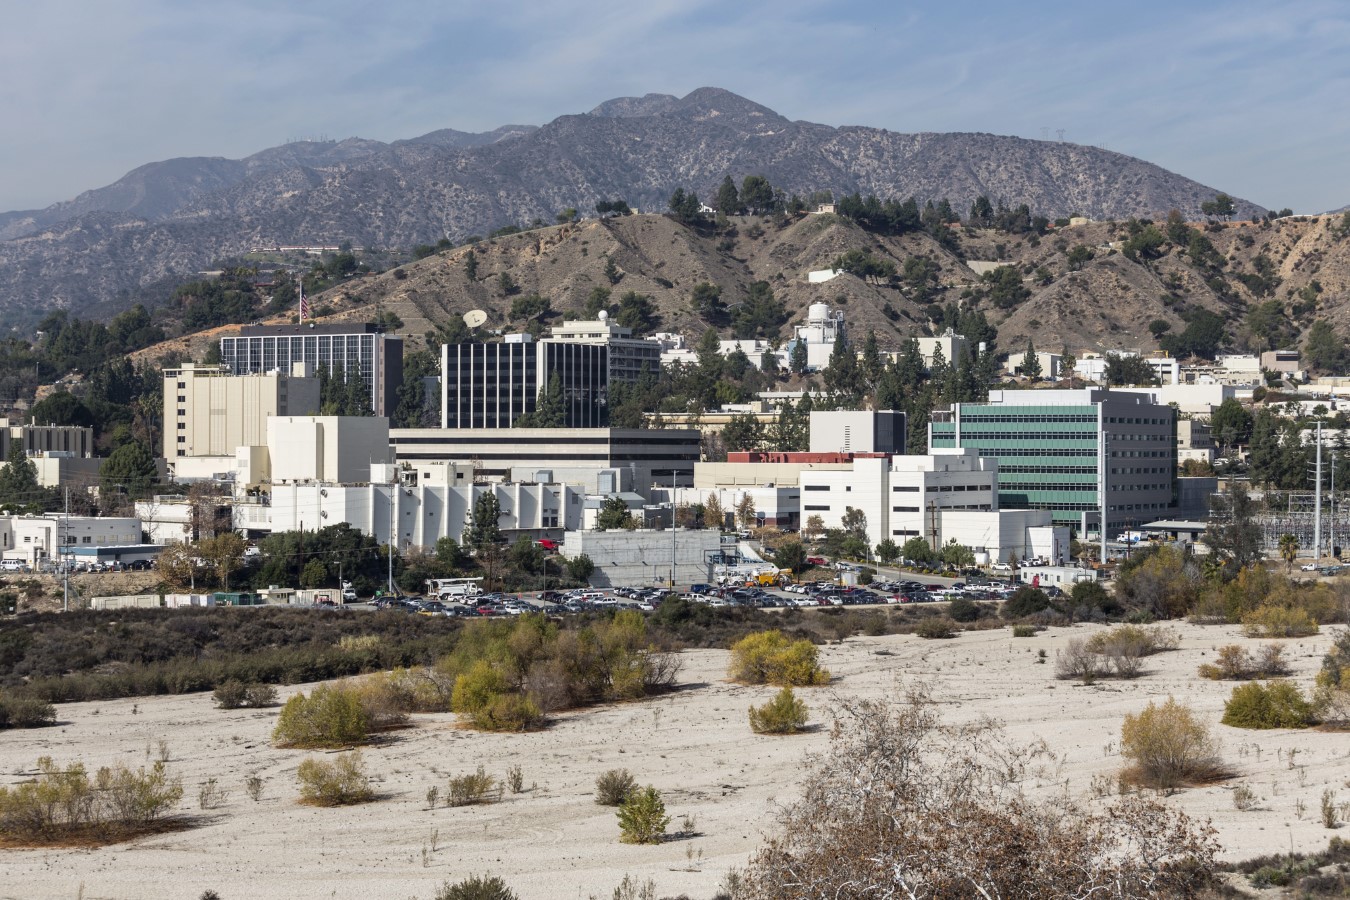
x=1288 y=551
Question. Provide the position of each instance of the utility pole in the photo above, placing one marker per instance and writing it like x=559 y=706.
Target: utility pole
x=1104 y=459
x=1317 y=501
x=62 y=549
x=672 y=528
x=393 y=498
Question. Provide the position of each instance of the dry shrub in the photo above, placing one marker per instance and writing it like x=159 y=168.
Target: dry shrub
x=784 y=714
x=1169 y=747
x=476 y=787
x=1024 y=631
x=613 y=787
x=1275 y=704
x=1235 y=663
x=235 y=694
x=341 y=782
x=25 y=712
x=331 y=716
x=1276 y=621
x=1117 y=652
x=769 y=657
x=936 y=627
x=486 y=887
x=1077 y=660
x=63 y=804
x=905 y=805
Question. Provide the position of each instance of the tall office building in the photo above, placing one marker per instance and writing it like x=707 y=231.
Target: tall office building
x=493 y=385
x=343 y=347
x=1050 y=444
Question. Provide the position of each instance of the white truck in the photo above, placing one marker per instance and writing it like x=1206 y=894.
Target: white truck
x=1129 y=537
x=452 y=590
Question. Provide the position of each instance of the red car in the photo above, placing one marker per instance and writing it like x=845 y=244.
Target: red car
x=550 y=546
x=817 y=560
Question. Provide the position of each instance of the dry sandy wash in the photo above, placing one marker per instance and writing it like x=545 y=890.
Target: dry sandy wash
x=694 y=745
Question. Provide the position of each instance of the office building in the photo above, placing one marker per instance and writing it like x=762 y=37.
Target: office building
x=627 y=356
x=1049 y=446
x=343 y=347
x=210 y=412
x=420 y=513
x=650 y=455
x=494 y=385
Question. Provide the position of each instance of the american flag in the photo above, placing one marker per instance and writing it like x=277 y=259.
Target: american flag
x=304 y=304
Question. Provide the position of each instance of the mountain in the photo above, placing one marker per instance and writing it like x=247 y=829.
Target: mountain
x=168 y=220
x=1102 y=301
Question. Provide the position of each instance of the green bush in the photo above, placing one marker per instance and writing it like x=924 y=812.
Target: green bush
x=1024 y=631
x=487 y=887
x=1025 y=601
x=769 y=657
x=939 y=627
x=331 y=716
x=642 y=817
x=1168 y=746
x=784 y=714
x=341 y=782
x=474 y=788
x=963 y=609
x=1276 y=621
x=1275 y=704
x=612 y=788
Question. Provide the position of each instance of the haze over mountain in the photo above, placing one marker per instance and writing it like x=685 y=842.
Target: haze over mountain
x=169 y=219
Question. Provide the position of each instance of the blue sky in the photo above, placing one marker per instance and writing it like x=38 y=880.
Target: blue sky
x=1249 y=97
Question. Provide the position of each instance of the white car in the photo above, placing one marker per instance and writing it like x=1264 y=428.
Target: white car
x=1308 y=567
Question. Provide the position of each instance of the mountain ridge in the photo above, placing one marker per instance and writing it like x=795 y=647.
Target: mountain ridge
x=170 y=219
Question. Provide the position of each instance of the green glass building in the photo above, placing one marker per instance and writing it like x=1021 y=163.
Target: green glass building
x=1049 y=447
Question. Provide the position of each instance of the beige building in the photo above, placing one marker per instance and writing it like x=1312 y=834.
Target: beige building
x=210 y=412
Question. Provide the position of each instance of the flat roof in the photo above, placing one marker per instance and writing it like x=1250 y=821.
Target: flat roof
x=1175 y=525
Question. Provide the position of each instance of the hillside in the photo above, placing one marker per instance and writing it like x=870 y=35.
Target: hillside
x=1107 y=304
x=168 y=220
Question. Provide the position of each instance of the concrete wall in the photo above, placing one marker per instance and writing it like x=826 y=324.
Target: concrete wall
x=644 y=557
x=337 y=449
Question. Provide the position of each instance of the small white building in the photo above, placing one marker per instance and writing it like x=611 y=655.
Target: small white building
x=823 y=328
x=35 y=539
x=332 y=449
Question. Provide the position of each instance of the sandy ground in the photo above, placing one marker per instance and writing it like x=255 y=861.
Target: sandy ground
x=553 y=841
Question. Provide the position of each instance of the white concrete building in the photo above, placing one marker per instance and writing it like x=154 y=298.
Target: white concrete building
x=334 y=449
x=647 y=557
x=422 y=513
x=1051 y=363
x=1192 y=399
x=954 y=347
x=34 y=539
x=857 y=431
x=823 y=327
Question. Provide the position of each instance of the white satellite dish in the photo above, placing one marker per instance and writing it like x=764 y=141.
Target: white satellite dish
x=602 y=315
x=475 y=318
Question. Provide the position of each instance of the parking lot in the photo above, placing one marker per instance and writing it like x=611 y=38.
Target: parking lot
x=903 y=588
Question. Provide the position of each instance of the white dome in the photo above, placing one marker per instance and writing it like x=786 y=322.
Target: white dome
x=818 y=312
x=603 y=315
